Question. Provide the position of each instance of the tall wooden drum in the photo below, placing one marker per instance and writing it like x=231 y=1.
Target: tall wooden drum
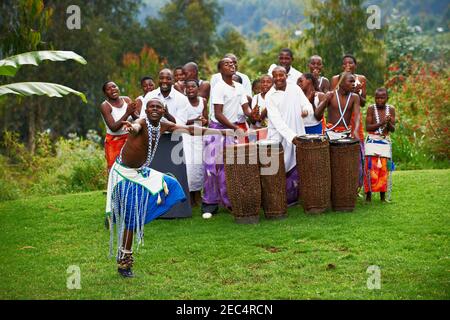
x=243 y=181
x=313 y=165
x=344 y=156
x=273 y=179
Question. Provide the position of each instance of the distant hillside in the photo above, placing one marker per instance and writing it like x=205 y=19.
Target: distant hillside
x=250 y=16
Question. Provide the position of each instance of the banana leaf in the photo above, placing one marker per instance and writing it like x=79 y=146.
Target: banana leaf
x=10 y=65
x=39 y=88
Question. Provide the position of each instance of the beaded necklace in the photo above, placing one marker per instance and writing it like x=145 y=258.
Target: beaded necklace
x=152 y=147
x=377 y=118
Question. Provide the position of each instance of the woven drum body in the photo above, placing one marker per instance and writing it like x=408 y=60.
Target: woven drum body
x=344 y=156
x=273 y=179
x=243 y=183
x=314 y=170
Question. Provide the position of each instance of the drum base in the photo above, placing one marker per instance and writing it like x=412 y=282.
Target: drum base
x=246 y=220
x=343 y=209
x=315 y=210
x=276 y=217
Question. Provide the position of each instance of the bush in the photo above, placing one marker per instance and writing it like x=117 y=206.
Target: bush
x=65 y=166
x=422 y=108
x=9 y=188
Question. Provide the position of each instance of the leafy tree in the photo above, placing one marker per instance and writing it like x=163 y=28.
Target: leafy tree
x=339 y=27
x=134 y=67
x=185 y=30
x=109 y=28
x=232 y=41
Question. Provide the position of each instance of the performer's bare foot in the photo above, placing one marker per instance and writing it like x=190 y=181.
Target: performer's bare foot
x=368 y=196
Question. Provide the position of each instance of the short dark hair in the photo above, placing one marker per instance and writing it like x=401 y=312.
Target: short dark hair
x=238 y=78
x=313 y=79
x=288 y=51
x=178 y=68
x=351 y=57
x=382 y=89
x=105 y=84
x=146 y=78
x=192 y=80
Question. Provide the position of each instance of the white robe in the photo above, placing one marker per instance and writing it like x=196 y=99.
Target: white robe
x=193 y=151
x=284 y=109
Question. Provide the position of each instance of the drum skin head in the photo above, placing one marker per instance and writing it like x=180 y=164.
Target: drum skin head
x=344 y=141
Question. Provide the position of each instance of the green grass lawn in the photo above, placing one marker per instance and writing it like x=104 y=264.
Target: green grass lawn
x=301 y=257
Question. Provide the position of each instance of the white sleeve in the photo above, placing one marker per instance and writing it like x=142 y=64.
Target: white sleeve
x=255 y=97
x=275 y=117
x=247 y=85
x=244 y=98
x=181 y=114
x=214 y=79
x=217 y=95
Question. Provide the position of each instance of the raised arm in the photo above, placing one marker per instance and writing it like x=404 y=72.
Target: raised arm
x=132 y=128
x=135 y=114
x=194 y=130
x=319 y=111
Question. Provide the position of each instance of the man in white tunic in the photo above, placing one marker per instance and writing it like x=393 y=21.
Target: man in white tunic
x=286 y=106
x=176 y=102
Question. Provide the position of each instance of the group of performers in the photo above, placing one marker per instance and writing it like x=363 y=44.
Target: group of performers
x=284 y=105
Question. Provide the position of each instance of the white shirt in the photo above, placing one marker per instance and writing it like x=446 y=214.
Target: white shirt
x=177 y=104
x=232 y=99
x=284 y=109
x=117 y=113
x=292 y=75
x=215 y=78
x=311 y=120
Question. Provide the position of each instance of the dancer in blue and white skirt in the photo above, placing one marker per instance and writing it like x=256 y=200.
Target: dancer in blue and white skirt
x=138 y=194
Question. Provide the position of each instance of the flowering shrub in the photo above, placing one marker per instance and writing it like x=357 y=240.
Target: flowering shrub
x=421 y=99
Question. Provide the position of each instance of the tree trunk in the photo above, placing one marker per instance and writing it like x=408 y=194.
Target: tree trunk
x=31 y=128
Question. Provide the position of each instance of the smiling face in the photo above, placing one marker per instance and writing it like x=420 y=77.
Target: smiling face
x=179 y=75
x=112 y=91
x=154 y=110
x=279 y=77
x=165 y=80
x=147 y=85
x=285 y=59
x=266 y=83
x=315 y=65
